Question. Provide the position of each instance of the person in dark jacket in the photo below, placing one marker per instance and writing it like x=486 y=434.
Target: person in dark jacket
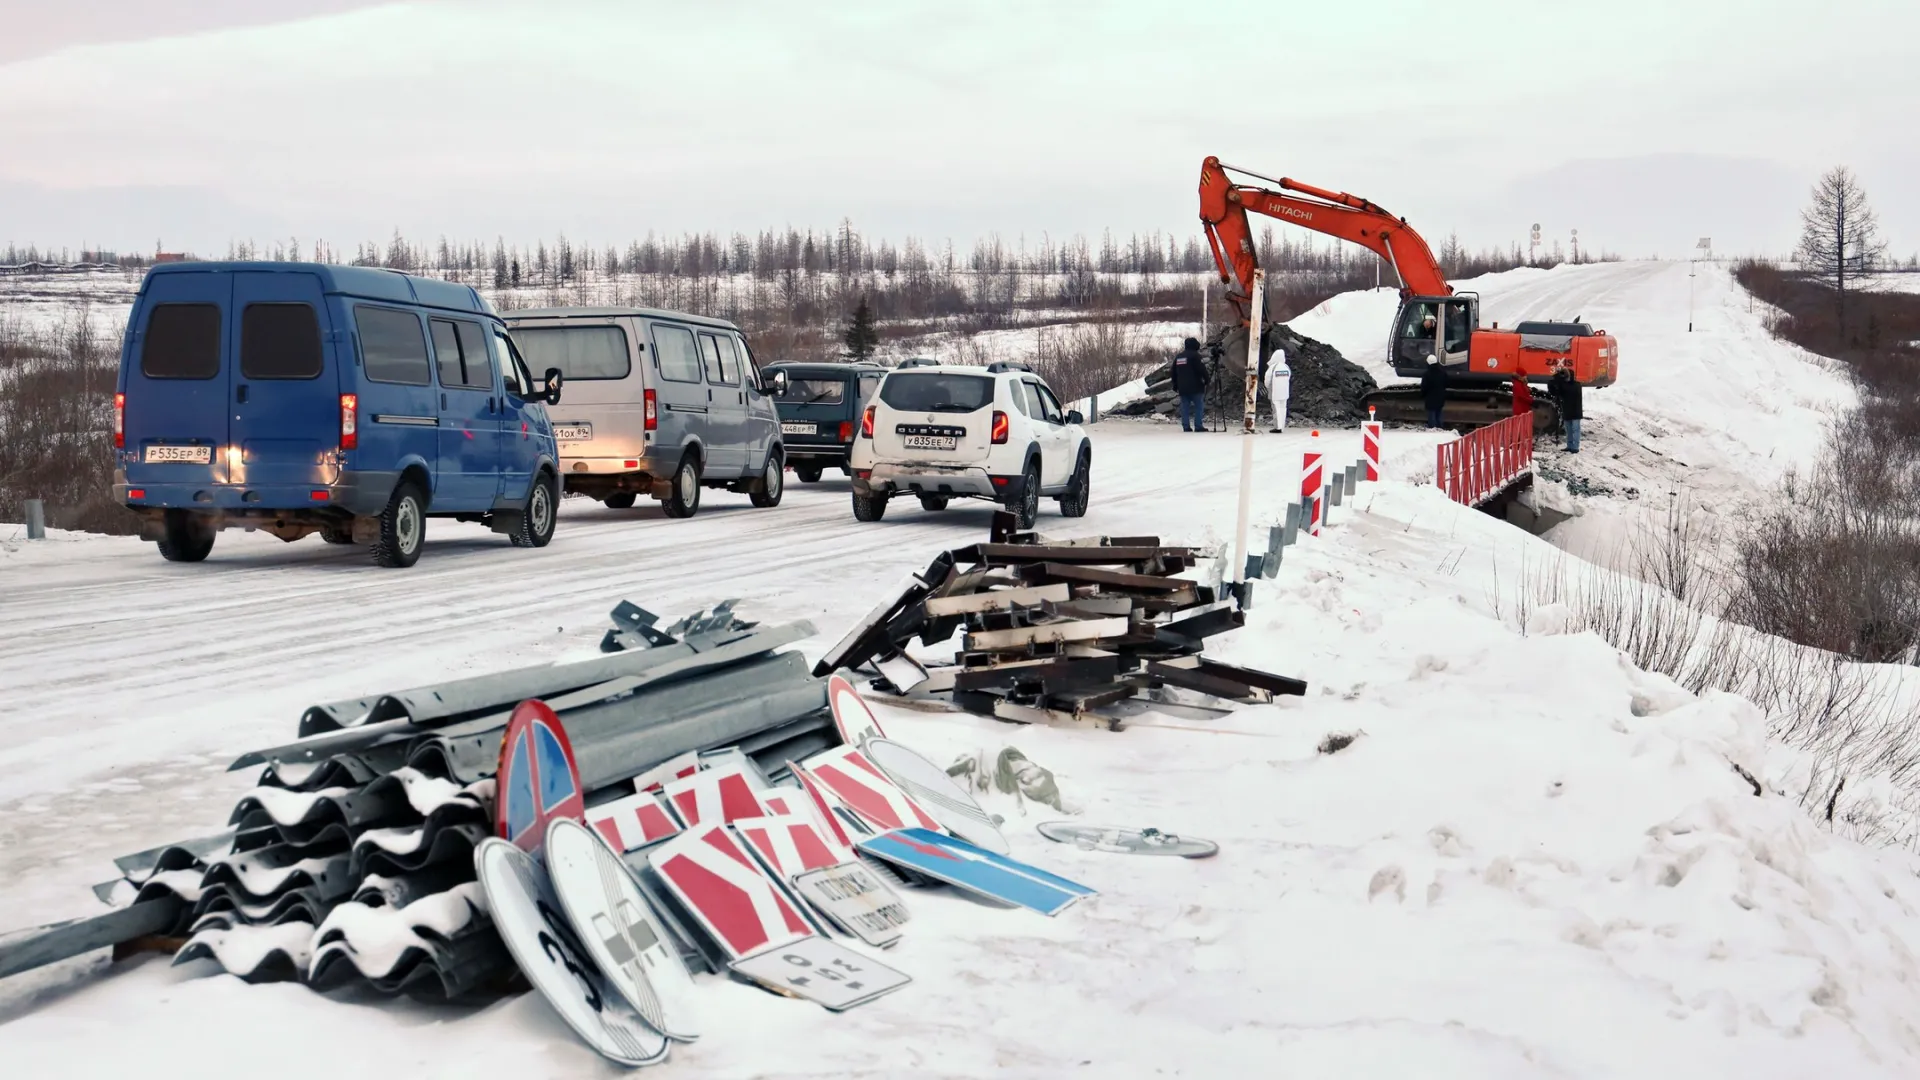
x=1433 y=390
x=1190 y=382
x=1566 y=392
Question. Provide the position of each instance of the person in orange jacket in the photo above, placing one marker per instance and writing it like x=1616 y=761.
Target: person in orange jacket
x=1522 y=396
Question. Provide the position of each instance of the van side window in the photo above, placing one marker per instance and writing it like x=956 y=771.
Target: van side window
x=744 y=357
x=674 y=353
x=392 y=346
x=513 y=373
x=710 y=359
x=446 y=353
x=473 y=354
x=183 y=342
x=279 y=341
x=730 y=365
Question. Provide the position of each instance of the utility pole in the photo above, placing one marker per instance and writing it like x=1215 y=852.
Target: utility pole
x=1237 y=571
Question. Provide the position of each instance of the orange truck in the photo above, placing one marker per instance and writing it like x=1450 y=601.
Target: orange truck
x=1433 y=319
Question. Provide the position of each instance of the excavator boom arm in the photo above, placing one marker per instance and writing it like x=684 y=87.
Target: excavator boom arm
x=1223 y=211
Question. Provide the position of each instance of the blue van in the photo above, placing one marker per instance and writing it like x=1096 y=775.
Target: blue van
x=353 y=402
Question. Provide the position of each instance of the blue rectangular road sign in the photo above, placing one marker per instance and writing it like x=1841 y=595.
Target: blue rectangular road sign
x=974 y=869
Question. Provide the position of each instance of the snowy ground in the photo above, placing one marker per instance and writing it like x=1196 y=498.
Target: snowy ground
x=1534 y=861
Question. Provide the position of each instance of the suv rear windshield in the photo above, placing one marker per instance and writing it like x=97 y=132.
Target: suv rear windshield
x=937 y=392
x=814 y=392
x=580 y=352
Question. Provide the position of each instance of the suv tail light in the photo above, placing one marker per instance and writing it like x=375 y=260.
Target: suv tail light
x=652 y=414
x=119 y=421
x=999 y=427
x=846 y=431
x=349 y=421
x=866 y=423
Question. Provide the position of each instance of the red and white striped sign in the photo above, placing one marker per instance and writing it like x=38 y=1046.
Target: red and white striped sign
x=823 y=804
x=785 y=800
x=713 y=796
x=790 y=844
x=1370 y=447
x=677 y=768
x=734 y=900
x=1310 y=484
x=847 y=774
x=633 y=822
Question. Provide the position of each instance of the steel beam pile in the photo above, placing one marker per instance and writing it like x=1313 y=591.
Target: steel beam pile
x=352 y=860
x=1062 y=631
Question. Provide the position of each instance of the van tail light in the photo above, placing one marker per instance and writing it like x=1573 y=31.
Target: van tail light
x=846 y=431
x=652 y=415
x=349 y=421
x=866 y=423
x=999 y=428
x=119 y=421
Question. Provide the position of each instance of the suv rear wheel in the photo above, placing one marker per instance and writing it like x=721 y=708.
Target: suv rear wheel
x=619 y=500
x=1028 y=508
x=933 y=502
x=403 y=528
x=1080 y=489
x=766 y=491
x=537 y=519
x=808 y=474
x=869 y=507
x=188 y=537
x=684 y=500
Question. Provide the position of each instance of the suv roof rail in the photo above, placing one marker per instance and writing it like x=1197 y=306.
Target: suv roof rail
x=919 y=361
x=1008 y=365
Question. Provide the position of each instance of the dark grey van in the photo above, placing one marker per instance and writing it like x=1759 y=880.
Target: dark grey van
x=658 y=403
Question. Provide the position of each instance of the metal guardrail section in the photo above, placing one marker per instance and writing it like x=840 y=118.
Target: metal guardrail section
x=1486 y=461
x=384 y=801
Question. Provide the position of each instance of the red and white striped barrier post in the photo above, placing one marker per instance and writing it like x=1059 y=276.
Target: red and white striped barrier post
x=1370 y=444
x=1310 y=486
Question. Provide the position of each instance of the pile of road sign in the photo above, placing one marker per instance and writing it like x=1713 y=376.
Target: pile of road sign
x=776 y=844
x=1073 y=631
x=711 y=865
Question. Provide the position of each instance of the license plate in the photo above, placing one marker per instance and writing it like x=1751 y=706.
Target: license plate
x=799 y=429
x=929 y=442
x=195 y=455
x=573 y=432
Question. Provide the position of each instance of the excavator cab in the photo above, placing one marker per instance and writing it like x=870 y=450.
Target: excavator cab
x=1434 y=325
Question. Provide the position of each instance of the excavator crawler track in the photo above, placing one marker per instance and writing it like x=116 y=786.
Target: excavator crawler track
x=1466 y=408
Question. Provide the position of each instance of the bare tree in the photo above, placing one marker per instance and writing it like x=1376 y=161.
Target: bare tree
x=1839 y=235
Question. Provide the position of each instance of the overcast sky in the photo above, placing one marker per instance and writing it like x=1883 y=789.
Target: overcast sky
x=1642 y=123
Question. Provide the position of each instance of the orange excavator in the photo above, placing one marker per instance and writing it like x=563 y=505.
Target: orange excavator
x=1433 y=320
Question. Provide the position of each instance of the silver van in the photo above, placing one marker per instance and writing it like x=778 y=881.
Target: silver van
x=658 y=403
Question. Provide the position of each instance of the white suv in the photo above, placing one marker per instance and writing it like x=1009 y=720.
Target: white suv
x=988 y=433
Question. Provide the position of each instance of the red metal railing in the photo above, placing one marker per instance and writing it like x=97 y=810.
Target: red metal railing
x=1480 y=464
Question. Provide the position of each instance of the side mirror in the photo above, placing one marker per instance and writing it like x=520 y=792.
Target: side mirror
x=779 y=383
x=554 y=380
x=1074 y=417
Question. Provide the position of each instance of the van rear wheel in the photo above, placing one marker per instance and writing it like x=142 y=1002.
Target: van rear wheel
x=619 y=500
x=403 y=528
x=188 y=537
x=684 y=500
x=537 y=519
x=337 y=534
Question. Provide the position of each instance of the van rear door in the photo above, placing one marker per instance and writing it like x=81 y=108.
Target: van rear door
x=175 y=381
x=286 y=386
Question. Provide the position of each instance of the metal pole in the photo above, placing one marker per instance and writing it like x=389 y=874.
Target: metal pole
x=36 y=520
x=1239 y=564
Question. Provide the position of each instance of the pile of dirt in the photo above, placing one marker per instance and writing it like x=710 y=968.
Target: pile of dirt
x=1327 y=387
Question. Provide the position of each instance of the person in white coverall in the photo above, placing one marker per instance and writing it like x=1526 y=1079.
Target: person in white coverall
x=1279 y=387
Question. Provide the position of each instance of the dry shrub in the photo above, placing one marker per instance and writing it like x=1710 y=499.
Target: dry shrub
x=56 y=423
x=1083 y=360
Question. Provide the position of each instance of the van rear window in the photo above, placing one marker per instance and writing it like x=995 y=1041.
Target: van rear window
x=392 y=346
x=183 y=342
x=279 y=341
x=937 y=392
x=580 y=352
